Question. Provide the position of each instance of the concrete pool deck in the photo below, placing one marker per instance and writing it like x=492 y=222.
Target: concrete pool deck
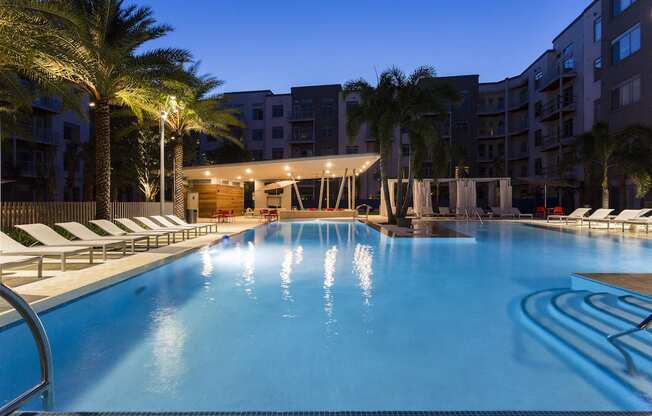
x=83 y=278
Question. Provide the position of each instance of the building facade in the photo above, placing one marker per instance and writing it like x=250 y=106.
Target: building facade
x=525 y=127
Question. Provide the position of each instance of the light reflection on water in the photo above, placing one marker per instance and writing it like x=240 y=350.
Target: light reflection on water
x=329 y=279
x=363 y=270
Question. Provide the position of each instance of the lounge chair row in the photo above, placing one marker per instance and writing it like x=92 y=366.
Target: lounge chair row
x=479 y=212
x=57 y=246
x=604 y=216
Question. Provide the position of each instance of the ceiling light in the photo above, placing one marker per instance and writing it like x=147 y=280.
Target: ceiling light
x=329 y=165
x=298 y=177
x=251 y=179
x=239 y=177
x=289 y=174
x=248 y=170
x=207 y=173
x=333 y=175
x=328 y=171
x=287 y=168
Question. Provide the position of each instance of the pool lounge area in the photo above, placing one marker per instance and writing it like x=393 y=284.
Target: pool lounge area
x=335 y=315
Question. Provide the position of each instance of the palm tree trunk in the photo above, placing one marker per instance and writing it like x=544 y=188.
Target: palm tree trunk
x=622 y=195
x=179 y=191
x=102 y=161
x=408 y=191
x=605 y=188
x=385 y=185
x=399 y=179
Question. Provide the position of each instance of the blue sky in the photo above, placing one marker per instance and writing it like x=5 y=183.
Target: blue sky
x=264 y=44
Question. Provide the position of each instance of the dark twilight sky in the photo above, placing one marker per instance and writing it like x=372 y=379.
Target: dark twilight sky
x=264 y=44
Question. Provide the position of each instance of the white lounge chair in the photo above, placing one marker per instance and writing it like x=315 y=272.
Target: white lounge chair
x=444 y=212
x=10 y=246
x=47 y=236
x=624 y=216
x=208 y=225
x=518 y=214
x=112 y=229
x=133 y=226
x=167 y=223
x=645 y=221
x=157 y=227
x=577 y=215
x=19 y=261
x=84 y=233
x=497 y=212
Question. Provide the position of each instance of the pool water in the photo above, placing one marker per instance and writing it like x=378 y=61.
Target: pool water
x=320 y=315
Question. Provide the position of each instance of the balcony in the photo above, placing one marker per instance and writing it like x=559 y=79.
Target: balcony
x=490 y=133
x=301 y=115
x=45 y=135
x=519 y=102
x=52 y=104
x=518 y=127
x=551 y=81
x=302 y=137
x=552 y=141
x=551 y=110
x=516 y=154
x=490 y=109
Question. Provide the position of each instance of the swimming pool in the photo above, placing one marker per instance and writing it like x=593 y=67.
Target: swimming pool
x=320 y=315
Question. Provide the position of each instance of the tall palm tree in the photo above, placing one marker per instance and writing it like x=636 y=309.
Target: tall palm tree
x=96 y=46
x=622 y=150
x=197 y=111
x=372 y=112
x=418 y=106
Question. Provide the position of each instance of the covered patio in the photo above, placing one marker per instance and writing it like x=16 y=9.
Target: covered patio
x=276 y=181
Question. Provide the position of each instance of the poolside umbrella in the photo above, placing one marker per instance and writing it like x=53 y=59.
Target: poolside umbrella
x=554 y=183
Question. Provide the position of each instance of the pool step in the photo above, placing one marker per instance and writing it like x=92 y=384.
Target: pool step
x=347 y=413
x=565 y=317
x=638 y=302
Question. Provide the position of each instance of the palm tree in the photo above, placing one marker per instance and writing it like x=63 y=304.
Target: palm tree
x=627 y=150
x=372 y=111
x=417 y=108
x=96 y=46
x=197 y=110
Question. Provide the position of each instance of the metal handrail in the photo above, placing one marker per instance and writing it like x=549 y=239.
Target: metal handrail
x=44 y=352
x=366 y=206
x=629 y=363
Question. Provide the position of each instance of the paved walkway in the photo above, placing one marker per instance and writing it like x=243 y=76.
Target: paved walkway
x=58 y=287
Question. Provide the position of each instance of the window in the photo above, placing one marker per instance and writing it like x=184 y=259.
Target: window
x=277 y=110
x=629 y=92
x=597 y=67
x=619 y=6
x=481 y=150
x=568 y=128
x=257 y=135
x=597 y=29
x=277 y=153
x=277 y=132
x=257 y=113
x=538 y=166
x=626 y=44
x=256 y=154
x=538 y=138
x=351 y=150
x=327 y=131
x=328 y=106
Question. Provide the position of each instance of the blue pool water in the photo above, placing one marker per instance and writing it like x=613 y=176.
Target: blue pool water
x=332 y=316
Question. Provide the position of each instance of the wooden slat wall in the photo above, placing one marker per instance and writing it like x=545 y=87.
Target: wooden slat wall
x=13 y=213
x=214 y=197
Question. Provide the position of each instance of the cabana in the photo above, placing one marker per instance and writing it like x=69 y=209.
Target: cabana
x=462 y=194
x=275 y=180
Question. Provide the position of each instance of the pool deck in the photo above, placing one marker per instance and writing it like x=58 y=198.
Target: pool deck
x=634 y=282
x=58 y=287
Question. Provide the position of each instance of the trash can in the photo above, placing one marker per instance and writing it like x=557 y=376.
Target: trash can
x=191 y=216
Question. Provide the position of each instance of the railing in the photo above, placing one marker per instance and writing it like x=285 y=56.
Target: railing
x=49 y=213
x=518 y=126
x=553 y=107
x=35 y=325
x=301 y=115
x=518 y=100
x=555 y=72
x=491 y=108
x=302 y=137
x=491 y=132
x=613 y=340
x=368 y=208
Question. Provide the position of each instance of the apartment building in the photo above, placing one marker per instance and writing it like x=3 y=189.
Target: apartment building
x=42 y=157
x=599 y=68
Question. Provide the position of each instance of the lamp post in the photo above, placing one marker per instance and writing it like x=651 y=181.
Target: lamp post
x=170 y=103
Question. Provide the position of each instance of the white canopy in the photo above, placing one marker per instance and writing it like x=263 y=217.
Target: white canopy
x=278 y=185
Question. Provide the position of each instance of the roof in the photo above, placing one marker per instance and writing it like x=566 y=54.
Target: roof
x=298 y=168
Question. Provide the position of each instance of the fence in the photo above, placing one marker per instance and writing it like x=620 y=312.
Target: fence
x=13 y=213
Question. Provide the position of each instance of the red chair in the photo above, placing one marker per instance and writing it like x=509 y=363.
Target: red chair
x=558 y=211
x=540 y=212
x=271 y=215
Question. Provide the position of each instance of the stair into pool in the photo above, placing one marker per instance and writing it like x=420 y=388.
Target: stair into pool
x=579 y=321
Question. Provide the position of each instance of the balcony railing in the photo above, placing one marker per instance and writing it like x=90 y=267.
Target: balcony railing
x=552 y=107
x=301 y=115
x=491 y=108
x=45 y=135
x=519 y=100
x=491 y=131
x=48 y=103
x=518 y=126
x=568 y=68
x=302 y=137
x=518 y=153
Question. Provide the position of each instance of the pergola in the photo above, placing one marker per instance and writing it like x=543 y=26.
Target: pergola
x=284 y=174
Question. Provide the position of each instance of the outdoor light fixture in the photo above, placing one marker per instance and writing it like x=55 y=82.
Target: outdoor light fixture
x=91 y=104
